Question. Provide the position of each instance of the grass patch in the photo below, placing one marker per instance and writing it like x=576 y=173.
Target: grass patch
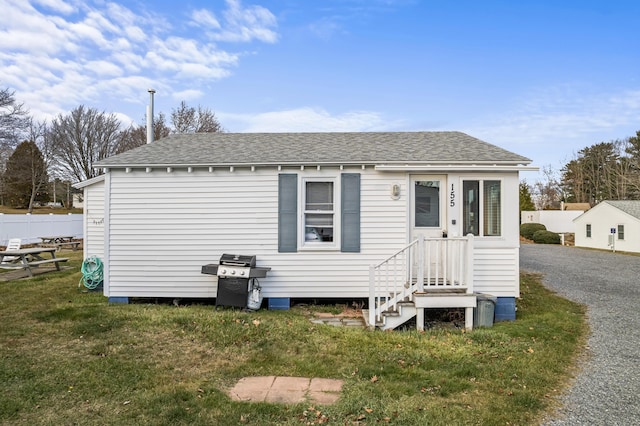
x=40 y=210
x=68 y=357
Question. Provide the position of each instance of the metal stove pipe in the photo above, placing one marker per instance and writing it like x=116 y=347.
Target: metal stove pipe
x=150 y=116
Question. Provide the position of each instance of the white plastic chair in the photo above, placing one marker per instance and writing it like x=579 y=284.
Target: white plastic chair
x=13 y=244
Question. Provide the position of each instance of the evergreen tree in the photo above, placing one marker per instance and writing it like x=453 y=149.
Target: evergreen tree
x=526 y=202
x=26 y=176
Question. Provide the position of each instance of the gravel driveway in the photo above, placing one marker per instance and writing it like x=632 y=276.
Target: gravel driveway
x=607 y=388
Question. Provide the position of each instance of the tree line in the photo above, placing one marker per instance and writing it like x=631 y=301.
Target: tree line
x=603 y=171
x=34 y=154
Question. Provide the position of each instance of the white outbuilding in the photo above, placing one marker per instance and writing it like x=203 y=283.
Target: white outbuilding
x=610 y=225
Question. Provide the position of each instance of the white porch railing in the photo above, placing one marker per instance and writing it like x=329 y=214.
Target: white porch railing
x=425 y=265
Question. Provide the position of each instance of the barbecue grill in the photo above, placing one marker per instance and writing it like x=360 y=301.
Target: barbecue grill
x=237 y=279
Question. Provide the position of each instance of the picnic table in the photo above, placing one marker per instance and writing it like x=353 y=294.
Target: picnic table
x=28 y=258
x=59 y=242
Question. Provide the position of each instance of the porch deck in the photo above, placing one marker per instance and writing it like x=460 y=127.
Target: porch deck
x=428 y=273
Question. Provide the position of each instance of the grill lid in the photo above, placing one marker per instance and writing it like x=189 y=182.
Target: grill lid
x=238 y=260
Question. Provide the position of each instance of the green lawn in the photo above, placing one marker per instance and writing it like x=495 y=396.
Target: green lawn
x=68 y=357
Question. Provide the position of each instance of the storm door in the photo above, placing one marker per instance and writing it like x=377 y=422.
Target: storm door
x=427 y=209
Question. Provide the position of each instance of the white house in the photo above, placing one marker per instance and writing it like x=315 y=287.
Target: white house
x=322 y=210
x=612 y=225
x=93 y=216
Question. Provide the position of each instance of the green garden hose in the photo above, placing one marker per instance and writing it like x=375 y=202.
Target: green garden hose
x=92 y=275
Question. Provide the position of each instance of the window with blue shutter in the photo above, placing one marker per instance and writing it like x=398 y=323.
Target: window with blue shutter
x=316 y=201
x=287 y=213
x=350 y=220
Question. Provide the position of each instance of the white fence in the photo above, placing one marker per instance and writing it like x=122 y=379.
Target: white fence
x=560 y=221
x=30 y=227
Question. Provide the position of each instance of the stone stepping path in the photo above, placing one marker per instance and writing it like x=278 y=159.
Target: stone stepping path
x=287 y=390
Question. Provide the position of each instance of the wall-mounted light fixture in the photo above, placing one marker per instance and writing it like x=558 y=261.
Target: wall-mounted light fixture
x=395 y=191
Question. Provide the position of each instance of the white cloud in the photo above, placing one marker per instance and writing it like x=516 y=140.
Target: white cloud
x=567 y=112
x=326 y=28
x=307 y=119
x=549 y=126
x=205 y=19
x=187 y=95
x=57 y=5
x=58 y=54
x=104 y=69
x=241 y=24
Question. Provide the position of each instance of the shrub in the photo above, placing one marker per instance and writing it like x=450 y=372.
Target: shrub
x=546 y=237
x=528 y=229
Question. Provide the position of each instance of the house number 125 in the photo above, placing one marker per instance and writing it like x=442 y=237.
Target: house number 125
x=452 y=197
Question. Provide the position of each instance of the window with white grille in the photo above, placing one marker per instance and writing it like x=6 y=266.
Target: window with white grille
x=482 y=207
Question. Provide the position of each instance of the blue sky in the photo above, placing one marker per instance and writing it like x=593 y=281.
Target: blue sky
x=540 y=78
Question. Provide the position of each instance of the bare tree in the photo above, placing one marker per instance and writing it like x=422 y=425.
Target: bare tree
x=184 y=119
x=136 y=135
x=547 y=192
x=187 y=119
x=82 y=138
x=13 y=119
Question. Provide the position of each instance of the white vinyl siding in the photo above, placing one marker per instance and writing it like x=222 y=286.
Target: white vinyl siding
x=496 y=258
x=93 y=244
x=165 y=226
x=601 y=218
x=496 y=271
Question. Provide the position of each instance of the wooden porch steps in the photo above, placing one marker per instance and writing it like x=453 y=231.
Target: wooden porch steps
x=430 y=298
x=426 y=273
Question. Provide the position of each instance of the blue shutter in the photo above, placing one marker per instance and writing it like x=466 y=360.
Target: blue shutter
x=350 y=219
x=287 y=213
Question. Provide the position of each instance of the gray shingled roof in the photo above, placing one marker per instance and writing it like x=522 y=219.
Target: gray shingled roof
x=210 y=149
x=630 y=207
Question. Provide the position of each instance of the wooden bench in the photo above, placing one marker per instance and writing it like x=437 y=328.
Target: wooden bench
x=34 y=264
x=73 y=245
x=29 y=258
x=44 y=261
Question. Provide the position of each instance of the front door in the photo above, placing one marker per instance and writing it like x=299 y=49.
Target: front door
x=428 y=218
x=427 y=210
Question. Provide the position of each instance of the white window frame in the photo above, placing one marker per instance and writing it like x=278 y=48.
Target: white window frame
x=302 y=193
x=588 y=230
x=618 y=231
x=481 y=197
